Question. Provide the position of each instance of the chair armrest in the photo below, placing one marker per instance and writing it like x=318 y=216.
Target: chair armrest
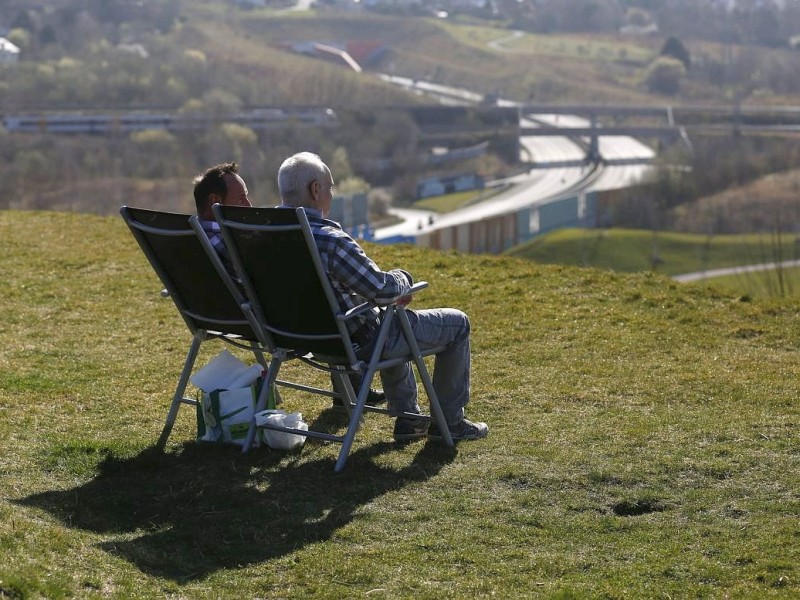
x=356 y=310
x=365 y=306
x=420 y=285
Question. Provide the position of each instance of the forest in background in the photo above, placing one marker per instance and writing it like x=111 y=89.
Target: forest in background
x=214 y=58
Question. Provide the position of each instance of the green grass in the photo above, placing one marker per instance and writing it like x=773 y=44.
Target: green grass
x=762 y=284
x=449 y=202
x=671 y=253
x=583 y=47
x=643 y=444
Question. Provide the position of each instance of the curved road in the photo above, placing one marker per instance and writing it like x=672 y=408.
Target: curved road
x=567 y=173
x=524 y=190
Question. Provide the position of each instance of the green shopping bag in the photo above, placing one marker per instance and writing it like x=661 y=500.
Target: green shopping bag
x=224 y=416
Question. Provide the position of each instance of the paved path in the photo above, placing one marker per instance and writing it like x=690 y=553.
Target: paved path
x=700 y=275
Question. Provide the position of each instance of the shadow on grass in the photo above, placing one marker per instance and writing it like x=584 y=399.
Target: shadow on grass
x=185 y=514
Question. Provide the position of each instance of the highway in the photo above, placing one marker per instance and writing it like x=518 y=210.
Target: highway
x=558 y=169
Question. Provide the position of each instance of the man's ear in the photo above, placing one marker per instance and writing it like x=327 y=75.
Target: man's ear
x=314 y=188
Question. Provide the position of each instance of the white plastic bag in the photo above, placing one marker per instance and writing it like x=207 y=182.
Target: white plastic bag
x=225 y=372
x=282 y=440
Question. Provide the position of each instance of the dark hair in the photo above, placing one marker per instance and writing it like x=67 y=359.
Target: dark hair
x=212 y=181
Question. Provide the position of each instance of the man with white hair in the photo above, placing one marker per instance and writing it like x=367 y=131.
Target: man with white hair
x=304 y=180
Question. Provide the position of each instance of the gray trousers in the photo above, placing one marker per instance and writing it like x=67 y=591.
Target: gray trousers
x=432 y=327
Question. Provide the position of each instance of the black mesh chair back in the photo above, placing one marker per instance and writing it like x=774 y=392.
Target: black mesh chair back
x=203 y=298
x=292 y=295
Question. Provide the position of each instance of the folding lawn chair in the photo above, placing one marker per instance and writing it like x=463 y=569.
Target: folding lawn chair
x=294 y=313
x=205 y=296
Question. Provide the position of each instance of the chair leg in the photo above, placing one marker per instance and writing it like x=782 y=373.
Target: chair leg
x=259 y=354
x=345 y=393
x=422 y=369
x=177 y=399
x=355 y=415
x=363 y=392
x=266 y=386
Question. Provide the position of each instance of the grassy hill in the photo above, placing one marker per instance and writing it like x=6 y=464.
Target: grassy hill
x=643 y=443
x=667 y=252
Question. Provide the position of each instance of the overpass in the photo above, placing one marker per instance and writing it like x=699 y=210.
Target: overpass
x=660 y=122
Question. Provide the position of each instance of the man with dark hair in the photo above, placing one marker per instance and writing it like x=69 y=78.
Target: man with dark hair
x=220 y=184
x=304 y=180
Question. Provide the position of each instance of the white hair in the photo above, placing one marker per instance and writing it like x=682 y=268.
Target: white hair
x=297 y=173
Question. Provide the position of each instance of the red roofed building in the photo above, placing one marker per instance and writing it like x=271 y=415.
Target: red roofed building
x=353 y=55
x=365 y=52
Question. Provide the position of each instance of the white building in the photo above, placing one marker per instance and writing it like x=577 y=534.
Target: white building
x=9 y=53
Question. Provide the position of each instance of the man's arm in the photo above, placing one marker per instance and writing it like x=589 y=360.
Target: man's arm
x=353 y=269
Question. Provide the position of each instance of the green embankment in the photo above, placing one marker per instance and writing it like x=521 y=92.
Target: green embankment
x=672 y=253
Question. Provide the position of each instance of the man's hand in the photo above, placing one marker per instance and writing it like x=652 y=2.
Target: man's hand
x=405 y=300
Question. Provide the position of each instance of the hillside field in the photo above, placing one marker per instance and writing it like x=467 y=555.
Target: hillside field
x=644 y=443
x=673 y=253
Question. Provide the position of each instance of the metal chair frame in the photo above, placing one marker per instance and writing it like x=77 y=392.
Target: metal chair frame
x=256 y=239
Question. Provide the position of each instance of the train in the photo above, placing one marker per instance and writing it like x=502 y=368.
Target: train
x=259 y=118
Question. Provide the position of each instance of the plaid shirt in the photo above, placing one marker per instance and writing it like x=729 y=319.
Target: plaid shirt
x=214 y=234
x=353 y=275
